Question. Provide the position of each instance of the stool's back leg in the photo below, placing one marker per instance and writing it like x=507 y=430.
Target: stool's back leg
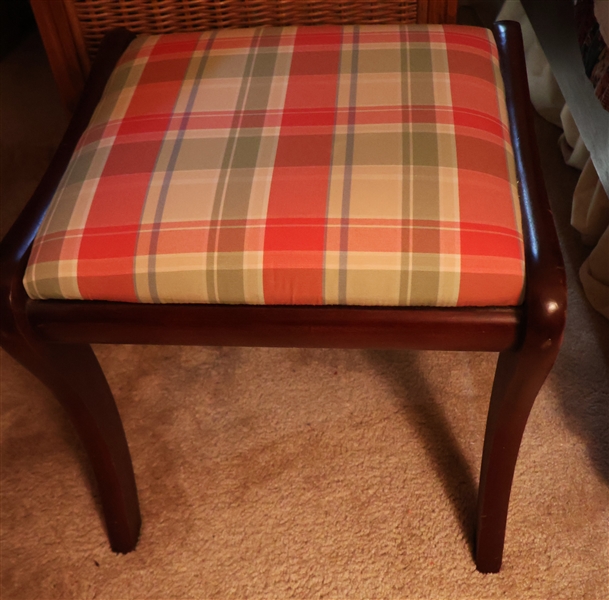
x=74 y=375
x=72 y=371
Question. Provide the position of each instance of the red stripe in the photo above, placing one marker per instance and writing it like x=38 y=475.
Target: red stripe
x=357 y=223
x=122 y=189
x=485 y=243
x=301 y=175
x=479 y=120
x=458 y=38
x=155 y=127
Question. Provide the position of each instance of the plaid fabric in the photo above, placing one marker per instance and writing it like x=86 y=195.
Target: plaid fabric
x=362 y=165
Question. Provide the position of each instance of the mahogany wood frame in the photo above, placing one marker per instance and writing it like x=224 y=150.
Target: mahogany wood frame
x=51 y=338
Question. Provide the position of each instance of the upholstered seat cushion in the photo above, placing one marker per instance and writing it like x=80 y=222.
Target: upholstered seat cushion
x=365 y=165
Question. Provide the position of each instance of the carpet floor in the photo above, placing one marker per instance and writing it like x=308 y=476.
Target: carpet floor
x=288 y=473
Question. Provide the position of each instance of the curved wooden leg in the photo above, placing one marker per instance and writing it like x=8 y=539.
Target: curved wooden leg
x=518 y=378
x=74 y=375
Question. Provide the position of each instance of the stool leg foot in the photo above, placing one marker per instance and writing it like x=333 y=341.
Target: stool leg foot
x=74 y=375
x=518 y=378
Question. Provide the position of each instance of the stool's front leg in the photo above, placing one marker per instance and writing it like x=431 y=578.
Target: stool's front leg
x=519 y=376
x=521 y=371
x=74 y=375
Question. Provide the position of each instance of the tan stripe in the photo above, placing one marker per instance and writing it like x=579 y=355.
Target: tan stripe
x=449 y=264
x=408 y=175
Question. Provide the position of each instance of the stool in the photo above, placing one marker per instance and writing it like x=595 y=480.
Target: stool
x=336 y=186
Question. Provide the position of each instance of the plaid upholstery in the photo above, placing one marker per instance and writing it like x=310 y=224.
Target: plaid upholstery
x=363 y=165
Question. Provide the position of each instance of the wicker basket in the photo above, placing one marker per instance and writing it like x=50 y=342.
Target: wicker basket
x=168 y=16
x=72 y=29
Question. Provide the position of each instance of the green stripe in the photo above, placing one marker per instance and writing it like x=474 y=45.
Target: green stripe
x=227 y=159
x=350 y=143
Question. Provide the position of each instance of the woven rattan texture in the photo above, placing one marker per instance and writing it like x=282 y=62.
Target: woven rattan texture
x=167 y=16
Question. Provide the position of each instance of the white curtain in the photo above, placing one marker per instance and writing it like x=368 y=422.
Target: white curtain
x=590 y=210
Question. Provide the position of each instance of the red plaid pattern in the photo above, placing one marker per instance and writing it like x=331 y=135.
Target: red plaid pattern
x=360 y=165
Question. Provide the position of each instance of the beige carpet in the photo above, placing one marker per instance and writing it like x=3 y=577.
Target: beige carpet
x=302 y=474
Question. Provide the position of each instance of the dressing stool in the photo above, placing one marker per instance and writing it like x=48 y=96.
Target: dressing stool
x=339 y=186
